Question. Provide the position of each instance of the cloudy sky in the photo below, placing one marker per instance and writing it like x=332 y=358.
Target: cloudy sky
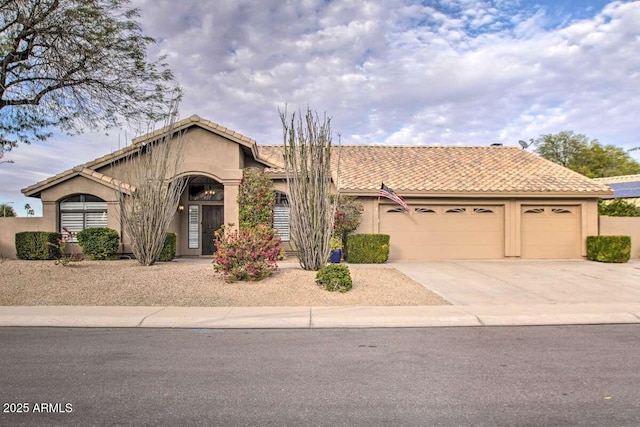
x=394 y=72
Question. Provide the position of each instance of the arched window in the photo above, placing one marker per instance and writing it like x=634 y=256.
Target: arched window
x=82 y=211
x=281 y=216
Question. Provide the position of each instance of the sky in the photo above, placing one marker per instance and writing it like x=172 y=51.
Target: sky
x=388 y=72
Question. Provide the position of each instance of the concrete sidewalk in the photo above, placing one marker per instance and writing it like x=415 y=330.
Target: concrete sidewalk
x=319 y=317
x=483 y=293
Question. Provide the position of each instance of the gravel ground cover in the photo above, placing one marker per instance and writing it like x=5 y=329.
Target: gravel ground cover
x=195 y=284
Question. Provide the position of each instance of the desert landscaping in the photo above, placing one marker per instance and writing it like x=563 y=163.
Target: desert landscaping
x=195 y=284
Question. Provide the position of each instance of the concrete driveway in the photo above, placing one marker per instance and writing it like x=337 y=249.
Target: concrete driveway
x=517 y=282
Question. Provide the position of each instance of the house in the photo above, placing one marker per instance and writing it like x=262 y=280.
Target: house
x=465 y=202
x=625 y=187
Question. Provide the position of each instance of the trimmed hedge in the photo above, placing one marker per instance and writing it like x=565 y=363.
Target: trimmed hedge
x=169 y=249
x=99 y=243
x=334 y=277
x=367 y=248
x=609 y=248
x=32 y=245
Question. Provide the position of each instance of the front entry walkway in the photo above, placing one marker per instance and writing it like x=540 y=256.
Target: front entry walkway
x=518 y=282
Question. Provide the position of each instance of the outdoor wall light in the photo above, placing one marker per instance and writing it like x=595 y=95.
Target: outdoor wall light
x=180 y=208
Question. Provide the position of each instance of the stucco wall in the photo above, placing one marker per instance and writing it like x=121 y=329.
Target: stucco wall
x=588 y=210
x=10 y=226
x=622 y=226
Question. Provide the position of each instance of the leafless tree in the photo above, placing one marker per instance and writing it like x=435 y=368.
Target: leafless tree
x=149 y=192
x=307 y=159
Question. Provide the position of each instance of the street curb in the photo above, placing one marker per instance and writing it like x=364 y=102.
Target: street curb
x=318 y=317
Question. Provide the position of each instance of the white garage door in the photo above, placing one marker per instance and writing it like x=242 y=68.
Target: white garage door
x=550 y=232
x=444 y=232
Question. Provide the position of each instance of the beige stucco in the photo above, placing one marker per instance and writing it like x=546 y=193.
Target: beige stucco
x=512 y=234
x=621 y=226
x=220 y=154
x=206 y=154
x=10 y=226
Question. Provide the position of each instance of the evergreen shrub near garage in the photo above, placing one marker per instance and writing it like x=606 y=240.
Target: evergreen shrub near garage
x=32 y=245
x=334 y=277
x=609 y=248
x=367 y=248
x=99 y=243
x=169 y=249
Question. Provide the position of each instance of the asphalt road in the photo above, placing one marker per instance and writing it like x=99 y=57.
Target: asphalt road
x=506 y=376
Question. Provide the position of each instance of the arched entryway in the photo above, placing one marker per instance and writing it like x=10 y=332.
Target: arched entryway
x=203 y=204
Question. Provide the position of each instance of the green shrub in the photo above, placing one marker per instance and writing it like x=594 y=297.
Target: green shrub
x=347 y=218
x=169 y=249
x=617 y=207
x=256 y=199
x=99 y=242
x=609 y=248
x=334 y=277
x=32 y=245
x=367 y=248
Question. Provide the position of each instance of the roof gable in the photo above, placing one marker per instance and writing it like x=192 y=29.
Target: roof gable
x=247 y=143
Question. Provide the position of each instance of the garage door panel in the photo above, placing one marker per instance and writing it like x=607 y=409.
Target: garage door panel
x=550 y=232
x=441 y=235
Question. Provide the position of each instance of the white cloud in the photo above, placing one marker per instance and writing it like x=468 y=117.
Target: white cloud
x=390 y=71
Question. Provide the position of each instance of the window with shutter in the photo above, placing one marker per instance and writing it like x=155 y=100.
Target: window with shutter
x=194 y=230
x=281 y=216
x=82 y=211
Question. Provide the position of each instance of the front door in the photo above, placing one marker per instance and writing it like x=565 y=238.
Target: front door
x=212 y=220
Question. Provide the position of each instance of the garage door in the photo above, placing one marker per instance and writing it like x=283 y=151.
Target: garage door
x=550 y=232
x=444 y=232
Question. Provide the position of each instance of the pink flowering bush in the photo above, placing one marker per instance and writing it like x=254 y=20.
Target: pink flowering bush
x=247 y=255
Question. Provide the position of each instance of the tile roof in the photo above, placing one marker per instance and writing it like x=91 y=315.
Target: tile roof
x=619 y=178
x=80 y=171
x=449 y=169
x=407 y=169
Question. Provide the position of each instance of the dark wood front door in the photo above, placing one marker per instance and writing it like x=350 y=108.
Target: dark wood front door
x=212 y=219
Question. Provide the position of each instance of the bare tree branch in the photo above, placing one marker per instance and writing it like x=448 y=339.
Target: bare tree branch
x=307 y=159
x=149 y=175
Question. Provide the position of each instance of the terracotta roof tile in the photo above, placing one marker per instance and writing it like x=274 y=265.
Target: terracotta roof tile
x=448 y=169
x=620 y=178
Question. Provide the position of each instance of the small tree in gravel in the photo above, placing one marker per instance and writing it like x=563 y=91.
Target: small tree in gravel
x=307 y=160
x=149 y=176
x=347 y=219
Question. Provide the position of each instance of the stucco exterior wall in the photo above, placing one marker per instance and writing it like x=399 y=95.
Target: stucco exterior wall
x=588 y=211
x=11 y=225
x=622 y=226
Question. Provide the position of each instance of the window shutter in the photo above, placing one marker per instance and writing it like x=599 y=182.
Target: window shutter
x=96 y=219
x=281 y=222
x=72 y=221
x=193 y=226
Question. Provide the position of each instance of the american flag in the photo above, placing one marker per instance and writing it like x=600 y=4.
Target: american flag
x=391 y=195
